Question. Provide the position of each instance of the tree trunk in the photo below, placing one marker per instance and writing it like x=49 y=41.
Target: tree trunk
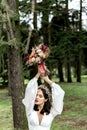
x=60 y=71
x=45 y=22
x=16 y=86
x=15 y=71
x=80 y=21
x=69 y=79
x=35 y=17
x=79 y=50
x=9 y=76
x=35 y=24
x=78 y=67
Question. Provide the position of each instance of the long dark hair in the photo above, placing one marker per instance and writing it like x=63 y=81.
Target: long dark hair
x=47 y=105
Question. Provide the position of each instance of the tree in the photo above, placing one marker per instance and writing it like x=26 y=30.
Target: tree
x=15 y=67
x=79 y=49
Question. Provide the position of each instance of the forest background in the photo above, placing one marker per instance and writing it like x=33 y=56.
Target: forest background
x=64 y=34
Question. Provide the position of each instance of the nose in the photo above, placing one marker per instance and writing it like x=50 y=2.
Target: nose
x=37 y=96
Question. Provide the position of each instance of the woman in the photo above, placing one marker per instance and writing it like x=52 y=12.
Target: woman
x=39 y=111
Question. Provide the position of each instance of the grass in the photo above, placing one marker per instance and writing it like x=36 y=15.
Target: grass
x=74 y=116
x=6 y=122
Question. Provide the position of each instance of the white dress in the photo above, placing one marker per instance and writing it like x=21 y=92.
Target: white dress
x=29 y=99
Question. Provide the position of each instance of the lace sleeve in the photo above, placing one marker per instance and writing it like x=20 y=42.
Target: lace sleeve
x=30 y=94
x=57 y=99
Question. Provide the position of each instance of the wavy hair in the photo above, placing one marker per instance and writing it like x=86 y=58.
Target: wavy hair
x=47 y=105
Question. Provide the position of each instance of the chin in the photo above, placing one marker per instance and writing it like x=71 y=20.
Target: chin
x=37 y=103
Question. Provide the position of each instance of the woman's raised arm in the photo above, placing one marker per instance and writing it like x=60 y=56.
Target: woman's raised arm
x=30 y=94
x=57 y=96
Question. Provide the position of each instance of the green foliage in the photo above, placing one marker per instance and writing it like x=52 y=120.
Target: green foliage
x=5 y=8
x=74 y=116
x=4 y=5
x=25 y=7
x=64 y=39
x=3 y=42
x=81 y=39
x=14 y=16
x=84 y=70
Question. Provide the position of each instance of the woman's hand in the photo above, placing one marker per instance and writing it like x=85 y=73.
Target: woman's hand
x=44 y=76
x=40 y=73
x=46 y=79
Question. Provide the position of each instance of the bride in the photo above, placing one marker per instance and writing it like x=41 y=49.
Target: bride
x=41 y=104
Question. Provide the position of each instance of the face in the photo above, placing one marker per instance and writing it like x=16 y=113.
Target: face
x=40 y=99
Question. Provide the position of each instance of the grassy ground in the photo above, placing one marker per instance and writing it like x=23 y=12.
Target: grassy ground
x=5 y=111
x=74 y=116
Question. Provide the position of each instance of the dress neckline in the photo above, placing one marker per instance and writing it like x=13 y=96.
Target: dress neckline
x=40 y=120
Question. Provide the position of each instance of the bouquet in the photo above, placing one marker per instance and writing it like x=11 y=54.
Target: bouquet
x=38 y=55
